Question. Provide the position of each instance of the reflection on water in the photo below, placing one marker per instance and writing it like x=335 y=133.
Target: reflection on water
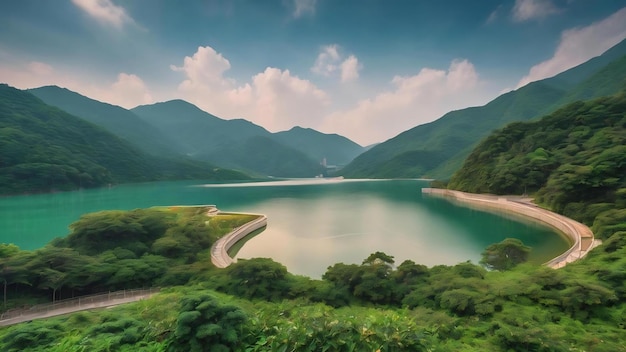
x=312 y=223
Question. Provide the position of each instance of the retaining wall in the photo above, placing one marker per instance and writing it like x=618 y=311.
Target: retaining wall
x=219 y=250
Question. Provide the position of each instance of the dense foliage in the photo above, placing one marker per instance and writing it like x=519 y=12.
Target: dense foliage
x=461 y=308
x=46 y=149
x=114 y=250
x=505 y=255
x=437 y=149
x=574 y=159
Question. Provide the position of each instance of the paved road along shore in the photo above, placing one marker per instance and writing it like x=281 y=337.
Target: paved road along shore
x=581 y=235
x=219 y=250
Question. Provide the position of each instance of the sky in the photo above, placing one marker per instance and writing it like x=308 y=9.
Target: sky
x=365 y=69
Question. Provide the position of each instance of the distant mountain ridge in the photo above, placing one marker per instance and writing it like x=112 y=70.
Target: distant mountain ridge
x=177 y=127
x=115 y=119
x=45 y=149
x=333 y=148
x=233 y=143
x=438 y=148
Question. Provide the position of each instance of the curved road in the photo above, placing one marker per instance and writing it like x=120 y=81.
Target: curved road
x=580 y=234
x=219 y=250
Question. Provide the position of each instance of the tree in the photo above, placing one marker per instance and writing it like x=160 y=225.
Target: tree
x=205 y=325
x=258 y=278
x=12 y=266
x=505 y=255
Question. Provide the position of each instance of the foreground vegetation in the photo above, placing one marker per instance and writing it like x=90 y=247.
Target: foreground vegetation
x=256 y=305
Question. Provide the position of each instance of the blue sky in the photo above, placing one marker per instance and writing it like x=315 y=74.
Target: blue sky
x=366 y=69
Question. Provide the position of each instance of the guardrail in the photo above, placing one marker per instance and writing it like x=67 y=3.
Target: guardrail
x=78 y=302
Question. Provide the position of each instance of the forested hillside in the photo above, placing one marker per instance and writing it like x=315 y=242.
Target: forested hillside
x=114 y=119
x=46 y=149
x=437 y=149
x=336 y=149
x=236 y=143
x=574 y=160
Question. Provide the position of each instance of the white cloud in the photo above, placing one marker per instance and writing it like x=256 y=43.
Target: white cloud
x=105 y=12
x=350 y=69
x=329 y=62
x=282 y=101
x=129 y=91
x=274 y=99
x=414 y=100
x=578 y=45
x=526 y=10
x=205 y=68
x=326 y=62
x=303 y=7
x=40 y=68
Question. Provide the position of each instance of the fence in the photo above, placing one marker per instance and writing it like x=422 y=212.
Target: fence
x=78 y=303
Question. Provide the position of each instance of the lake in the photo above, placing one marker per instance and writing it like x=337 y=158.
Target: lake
x=312 y=224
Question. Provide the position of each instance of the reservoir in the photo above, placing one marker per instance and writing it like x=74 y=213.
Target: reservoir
x=312 y=224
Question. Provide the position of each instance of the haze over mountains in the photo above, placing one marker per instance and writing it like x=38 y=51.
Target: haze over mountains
x=177 y=127
x=437 y=149
x=46 y=149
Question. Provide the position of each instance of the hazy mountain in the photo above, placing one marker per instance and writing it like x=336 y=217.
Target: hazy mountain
x=265 y=156
x=336 y=149
x=45 y=148
x=115 y=119
x=438 y=148
x=196 y=130
x=234 y=143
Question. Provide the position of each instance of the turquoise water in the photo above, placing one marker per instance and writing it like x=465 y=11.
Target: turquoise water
x=312 y=224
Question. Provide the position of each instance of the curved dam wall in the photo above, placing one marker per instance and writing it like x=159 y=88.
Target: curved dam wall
x=580 y=235
x=219 y=250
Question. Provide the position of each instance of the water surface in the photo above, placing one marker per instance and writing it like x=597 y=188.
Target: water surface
x=312 y=224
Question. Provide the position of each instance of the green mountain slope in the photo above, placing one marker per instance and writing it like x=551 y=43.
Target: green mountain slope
x=438 y=148
x=265 y=156
x=198 y=131
x=571 y=158
x=115 y=119
x=233 y=143
x=336 y=149
x=45 y=148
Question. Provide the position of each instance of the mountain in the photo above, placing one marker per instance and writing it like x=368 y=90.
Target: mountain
x=336 y=149
x=573 y=160
x=45 y=148
x=438 y=148
x=265 y=156
x=115 y=119
x=196 y=130
x=234 y=143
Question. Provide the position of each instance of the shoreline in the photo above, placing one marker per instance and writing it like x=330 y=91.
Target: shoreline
x=219 y=249
x=581 y=235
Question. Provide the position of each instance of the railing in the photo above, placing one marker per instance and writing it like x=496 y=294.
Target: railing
x=78 y=302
